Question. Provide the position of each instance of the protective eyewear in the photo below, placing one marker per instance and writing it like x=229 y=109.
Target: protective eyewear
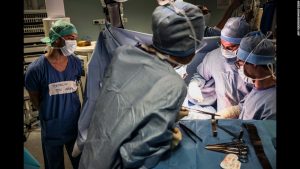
x=239 y=63
x=231 y=48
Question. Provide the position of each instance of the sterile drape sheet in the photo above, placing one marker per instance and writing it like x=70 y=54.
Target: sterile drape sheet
x=190 y=155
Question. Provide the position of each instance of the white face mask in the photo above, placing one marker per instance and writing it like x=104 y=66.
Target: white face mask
x=69 y=48
x=243 y=76
x=248 y=79
x=228 y=54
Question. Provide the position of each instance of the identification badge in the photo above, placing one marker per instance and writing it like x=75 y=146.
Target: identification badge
x=62 y=87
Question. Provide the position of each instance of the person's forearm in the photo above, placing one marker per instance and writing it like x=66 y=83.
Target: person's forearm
x=35 y=99
x=36 y=103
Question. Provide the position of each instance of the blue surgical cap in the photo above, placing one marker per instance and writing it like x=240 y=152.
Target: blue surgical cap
x=255 y=48
x=59 y=28
x=235 y=29
x=171 y=32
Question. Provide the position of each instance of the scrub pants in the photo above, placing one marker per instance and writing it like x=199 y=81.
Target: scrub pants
x=54 y=155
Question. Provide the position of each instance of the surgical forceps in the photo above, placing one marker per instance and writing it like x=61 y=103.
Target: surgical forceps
x=200 y=111
x=235 y=147
x=189 y=132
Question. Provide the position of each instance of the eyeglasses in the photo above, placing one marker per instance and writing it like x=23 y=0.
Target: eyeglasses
x=239 y=63
x=230 y=48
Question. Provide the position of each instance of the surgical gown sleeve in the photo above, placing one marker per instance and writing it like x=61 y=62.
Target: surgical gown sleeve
x=259 y=105
x=32 y=80
x=205 y=82
x=203 y=69
x=203 y=73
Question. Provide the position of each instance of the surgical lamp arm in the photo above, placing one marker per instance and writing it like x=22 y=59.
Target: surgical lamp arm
x=234 y=4
x=113 y=12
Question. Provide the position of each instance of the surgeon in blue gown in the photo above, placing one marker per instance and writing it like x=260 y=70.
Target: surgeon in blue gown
x=217 y=78
x=134 y=118
x=256 y=61
x=109 y=39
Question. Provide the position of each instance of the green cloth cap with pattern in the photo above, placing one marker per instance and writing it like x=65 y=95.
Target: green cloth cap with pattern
x=59 y=28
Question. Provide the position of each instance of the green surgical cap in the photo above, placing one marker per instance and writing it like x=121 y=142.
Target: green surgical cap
x=58 y=29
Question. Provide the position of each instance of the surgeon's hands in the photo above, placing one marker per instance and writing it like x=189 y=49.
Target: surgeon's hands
x=76 y=151
x=176 y=137
x=231 y=112
x=182 y=113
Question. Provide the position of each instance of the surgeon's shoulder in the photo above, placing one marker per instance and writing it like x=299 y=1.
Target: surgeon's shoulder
x=174 y=81
x=124 y=49
x=214 y=54
x=76 y=59
x=37 y=64
x=129 y=51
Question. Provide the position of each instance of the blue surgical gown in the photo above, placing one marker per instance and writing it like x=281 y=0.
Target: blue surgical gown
x=229 y=87
x=135 y=112
x=109 y=39
x=259 y=104
x=96 y=69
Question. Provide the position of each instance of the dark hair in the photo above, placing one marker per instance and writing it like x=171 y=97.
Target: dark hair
x=203 y=9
